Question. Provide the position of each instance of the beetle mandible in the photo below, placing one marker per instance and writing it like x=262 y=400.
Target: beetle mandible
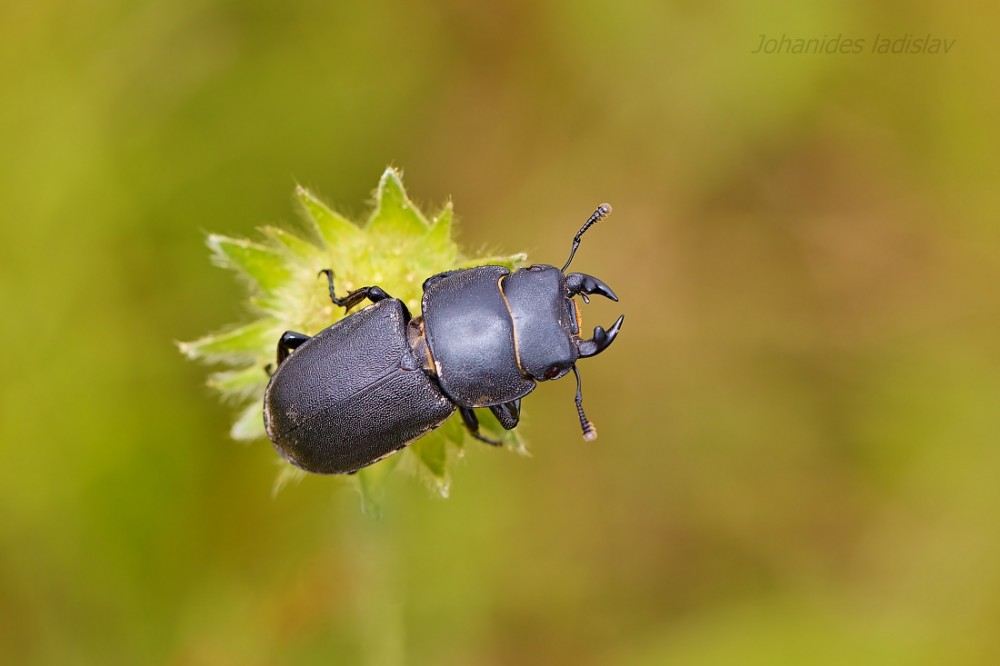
x=378 y=379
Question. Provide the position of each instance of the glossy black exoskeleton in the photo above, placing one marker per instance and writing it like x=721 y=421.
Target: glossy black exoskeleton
x=378 y=379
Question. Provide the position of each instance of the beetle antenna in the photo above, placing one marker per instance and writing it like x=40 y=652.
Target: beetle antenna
x=602 y=212
x=589 y=431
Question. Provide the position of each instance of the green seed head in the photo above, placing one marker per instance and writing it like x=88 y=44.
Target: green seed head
x=397 y=249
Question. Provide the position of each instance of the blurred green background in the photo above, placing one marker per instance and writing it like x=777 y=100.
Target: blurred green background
x=798 y=453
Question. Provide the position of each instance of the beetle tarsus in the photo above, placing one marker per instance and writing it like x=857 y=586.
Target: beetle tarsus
x=372 y=293
x=472 y=423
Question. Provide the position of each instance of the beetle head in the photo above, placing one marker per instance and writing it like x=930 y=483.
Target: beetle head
x=547 y=340
x=545 y=322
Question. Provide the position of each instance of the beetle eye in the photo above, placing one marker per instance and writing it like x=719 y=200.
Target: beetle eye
x=552 y=371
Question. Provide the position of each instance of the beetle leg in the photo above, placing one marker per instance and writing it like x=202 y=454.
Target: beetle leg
x=583 y=284
x=374 y=294
x=289 y=342
x=602 y=339
x=472 y=423
x=508 y=413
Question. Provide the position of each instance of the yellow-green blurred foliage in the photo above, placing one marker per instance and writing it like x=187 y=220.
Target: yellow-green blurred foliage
x=799 y=450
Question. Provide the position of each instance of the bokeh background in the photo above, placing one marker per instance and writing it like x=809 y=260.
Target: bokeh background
x=798 y=458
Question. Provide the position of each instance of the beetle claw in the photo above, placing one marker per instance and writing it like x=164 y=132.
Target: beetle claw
x=583 y=284
x=602 y=339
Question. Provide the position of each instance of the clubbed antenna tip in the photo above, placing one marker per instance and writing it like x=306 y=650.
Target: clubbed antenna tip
x=589 y=431
x=602 y=212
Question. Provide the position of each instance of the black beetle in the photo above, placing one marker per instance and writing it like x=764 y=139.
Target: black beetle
x=378 y=379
